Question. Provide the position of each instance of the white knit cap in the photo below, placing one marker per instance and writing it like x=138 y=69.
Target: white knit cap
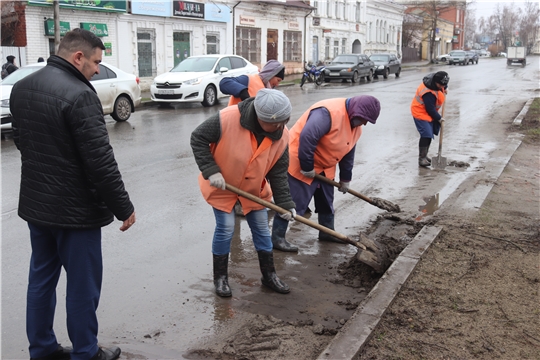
x=272 y=106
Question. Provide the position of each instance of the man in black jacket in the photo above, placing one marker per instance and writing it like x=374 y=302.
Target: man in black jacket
x=9 y=66
x=70 y=188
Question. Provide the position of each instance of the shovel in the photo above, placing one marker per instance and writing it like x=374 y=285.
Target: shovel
x=380 y=203
x=439 y=162
x=370 y=252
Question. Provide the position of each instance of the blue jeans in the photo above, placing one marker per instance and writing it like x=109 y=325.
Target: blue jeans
x=79 y=252
x=258 y=223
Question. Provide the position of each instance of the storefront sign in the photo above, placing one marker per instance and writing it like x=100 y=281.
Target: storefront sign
x=294 y=25
x=108 y=49
x=217 y=12
x=151 y=7
x=49 y=27
x=247 y=20
x=98 y=29
x=94 y=5
x=188 y=9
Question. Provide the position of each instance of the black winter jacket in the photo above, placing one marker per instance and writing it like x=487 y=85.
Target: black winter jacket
x=70 y=178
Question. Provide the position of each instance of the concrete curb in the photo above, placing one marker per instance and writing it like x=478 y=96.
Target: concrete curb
x=348 y=343
x=523 y=112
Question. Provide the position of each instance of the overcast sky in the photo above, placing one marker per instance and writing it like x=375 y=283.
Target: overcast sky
x=486 y=8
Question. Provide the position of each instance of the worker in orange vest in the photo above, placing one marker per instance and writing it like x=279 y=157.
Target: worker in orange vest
x=242 y=87
x=324 y=137
x=249 y=149
x=425 y=107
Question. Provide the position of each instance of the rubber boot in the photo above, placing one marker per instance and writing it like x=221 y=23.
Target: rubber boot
x=428 y=158
x=327 y=220
x=221 y=278
x=422 y=157
x=279 y=228
x=269 y=276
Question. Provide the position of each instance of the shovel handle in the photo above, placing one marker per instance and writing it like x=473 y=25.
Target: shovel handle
x=298 y=218
x=336 y=184
x=441 y=131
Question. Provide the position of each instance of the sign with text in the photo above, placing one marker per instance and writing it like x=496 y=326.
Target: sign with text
x=247 y=20
x=49 y=27
x=151 y=7
x=108 y=49
x=294 y=25
x=188 y=9
x=94 y=5
x=98 y=29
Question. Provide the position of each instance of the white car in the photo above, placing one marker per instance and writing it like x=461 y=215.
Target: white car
x=118 y=91
x=196 y=79
x=443 y=58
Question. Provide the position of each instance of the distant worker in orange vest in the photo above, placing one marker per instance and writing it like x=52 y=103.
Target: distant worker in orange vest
x=246 y=146
x=242 y=87
x=425 y=107
x=324 y=137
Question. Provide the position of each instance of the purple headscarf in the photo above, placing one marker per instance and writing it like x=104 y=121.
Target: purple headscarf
x=366 y=107
x=270 y=69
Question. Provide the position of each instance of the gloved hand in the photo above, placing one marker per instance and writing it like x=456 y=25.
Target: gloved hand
x=244 y=94
x=309 y=174
x=217 y=180
x=344 y=186
x=288 y=216
x=441 y=120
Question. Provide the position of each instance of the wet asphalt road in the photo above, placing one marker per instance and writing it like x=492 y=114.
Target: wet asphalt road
x=157 y=275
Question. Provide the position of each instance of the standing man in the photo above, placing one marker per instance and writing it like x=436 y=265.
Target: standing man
x=70 y=188
x=425 y=107
x=246 y=146
x=242 y=87
x=9 y=66
x=325 y=136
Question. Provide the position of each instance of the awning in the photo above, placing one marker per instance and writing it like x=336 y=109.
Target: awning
x=449 y=41
x=438 y=39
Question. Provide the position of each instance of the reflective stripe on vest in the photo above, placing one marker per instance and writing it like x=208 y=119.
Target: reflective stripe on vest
x=418 y=108
x=254 y=85
x=332 y=147
x=242 y=163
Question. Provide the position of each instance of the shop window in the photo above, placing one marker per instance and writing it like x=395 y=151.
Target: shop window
x=292 y=45
x=248 y=43
x=212 y=44
x=146 y=53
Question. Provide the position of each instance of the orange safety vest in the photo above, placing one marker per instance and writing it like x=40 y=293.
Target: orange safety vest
x=418 y=109
x=254 y=85
x=332 y=147
x=242 y=163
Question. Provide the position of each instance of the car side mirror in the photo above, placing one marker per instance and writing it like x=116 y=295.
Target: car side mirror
x=223 y=69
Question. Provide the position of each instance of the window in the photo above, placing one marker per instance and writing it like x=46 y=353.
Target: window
x=104 y=73
x=358 y=10
x=336 y=48
x=327 y=48
x=225 y=62
x=328 y=8
x=248 y=43
x=343 y=43
x=237 y=63
x=146 y=53
x=316 y=6
x=342 y=10
x=336 y=10
x=292 y=44
x=212 y=44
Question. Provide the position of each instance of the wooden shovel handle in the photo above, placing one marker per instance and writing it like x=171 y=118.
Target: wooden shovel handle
x=336 y=184
x=298 y=218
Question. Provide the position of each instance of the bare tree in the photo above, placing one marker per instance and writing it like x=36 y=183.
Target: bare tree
x=529 y=24
x=506 y=23
x=470 y=26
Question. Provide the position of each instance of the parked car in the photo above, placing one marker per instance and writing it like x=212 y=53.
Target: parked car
x=118 y=91
x=350 y=67
x=473 y=57
x=386 y=64
x=458 y=57
x=196 y=79
x=483 y=52
x=443 y=58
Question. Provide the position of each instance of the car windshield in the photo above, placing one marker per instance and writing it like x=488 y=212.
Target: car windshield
x=196 y=64
x=343 y=59
x=17 y=75
x=379 y=57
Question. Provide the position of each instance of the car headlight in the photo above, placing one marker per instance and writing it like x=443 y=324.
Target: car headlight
x=380 y=67
x=5 y=103
x=193 y=81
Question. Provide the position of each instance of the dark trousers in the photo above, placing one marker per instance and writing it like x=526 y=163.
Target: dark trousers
x=302 y=193
x=79 y=252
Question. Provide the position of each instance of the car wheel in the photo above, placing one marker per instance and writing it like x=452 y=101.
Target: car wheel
x=122 y=109
x=398 y=72
x=450 y=63
x=354 y=78
x=443 y=59
x=386 y=72
x=370 y=76
x=210 y=96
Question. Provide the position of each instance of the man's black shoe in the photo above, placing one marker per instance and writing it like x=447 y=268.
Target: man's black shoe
x=61 y=353
x=111 y=353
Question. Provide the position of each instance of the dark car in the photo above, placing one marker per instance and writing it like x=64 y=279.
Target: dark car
x=473 y=57
x=349 y=67
x=386 y=64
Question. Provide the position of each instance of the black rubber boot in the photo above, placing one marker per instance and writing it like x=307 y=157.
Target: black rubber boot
x=221 y=278
x=270 y=278
x=279 y=228
x=327 y=220
x=428 y=158
x=422 y=157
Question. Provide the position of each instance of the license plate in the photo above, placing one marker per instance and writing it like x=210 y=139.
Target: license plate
x=166 y=92
x=334 y=74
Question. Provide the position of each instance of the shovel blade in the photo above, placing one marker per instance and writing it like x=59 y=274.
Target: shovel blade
x=438 y=162
x=375 y=254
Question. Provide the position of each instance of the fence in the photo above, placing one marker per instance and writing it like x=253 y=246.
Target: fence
x=411 y=54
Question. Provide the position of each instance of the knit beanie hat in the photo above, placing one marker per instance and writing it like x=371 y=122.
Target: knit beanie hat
x=272 y=106
x=441 y=77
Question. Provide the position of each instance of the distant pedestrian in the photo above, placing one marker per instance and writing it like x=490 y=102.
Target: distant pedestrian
x=40 y=59
x=9 y=67
x=70 y=188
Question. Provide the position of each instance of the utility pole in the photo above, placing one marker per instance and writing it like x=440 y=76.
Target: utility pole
x=56 y=5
